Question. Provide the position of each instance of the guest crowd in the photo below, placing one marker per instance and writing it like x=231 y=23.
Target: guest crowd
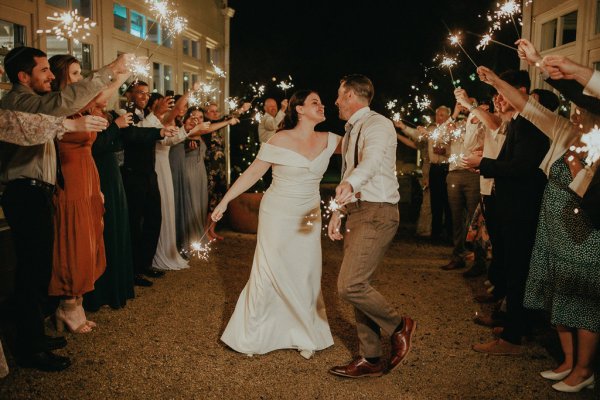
x=119 y=196
x=514 y=178
x=98 y=200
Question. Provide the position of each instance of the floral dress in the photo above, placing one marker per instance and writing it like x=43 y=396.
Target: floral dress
x=216 y=168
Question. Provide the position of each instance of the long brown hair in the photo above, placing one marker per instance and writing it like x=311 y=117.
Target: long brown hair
x=59 y=65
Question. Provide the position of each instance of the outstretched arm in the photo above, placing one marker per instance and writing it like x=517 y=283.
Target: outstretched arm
x=250 y=176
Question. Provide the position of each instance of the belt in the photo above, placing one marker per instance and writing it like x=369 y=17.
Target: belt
x=29 y=182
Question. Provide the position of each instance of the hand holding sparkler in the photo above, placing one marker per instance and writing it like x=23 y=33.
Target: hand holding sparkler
x=88 y=123
x=473 y=160
x=462 y=98
x=284 y=105
x=487 y=75
x=122 y=64
x=561 y=67
x=344 y=193
x=218 y=212
x=528 y=52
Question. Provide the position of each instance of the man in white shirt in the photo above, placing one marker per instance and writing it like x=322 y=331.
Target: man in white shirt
x=369 y=190
x=271 y=119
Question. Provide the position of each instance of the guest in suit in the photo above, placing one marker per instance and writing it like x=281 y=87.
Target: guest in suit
x=369 y=189
x=519 y=188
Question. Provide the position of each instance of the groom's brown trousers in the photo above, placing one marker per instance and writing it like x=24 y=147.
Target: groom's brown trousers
x=370 y=228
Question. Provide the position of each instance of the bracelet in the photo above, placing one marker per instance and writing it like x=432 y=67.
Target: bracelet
x=473 y=106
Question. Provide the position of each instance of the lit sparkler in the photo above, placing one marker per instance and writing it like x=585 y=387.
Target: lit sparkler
x=423 y=102
x=455 y=41
x=449 y=62
x=285 y=85
x=70 y=26
x=220 y=73
x=591 y=141
x=139 y=67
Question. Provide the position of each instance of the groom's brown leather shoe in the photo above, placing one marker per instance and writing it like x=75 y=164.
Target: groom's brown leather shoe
x=401 y=342
x=359 y=368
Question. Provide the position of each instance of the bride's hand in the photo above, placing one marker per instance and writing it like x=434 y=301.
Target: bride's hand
x=218 y=212
x=334 y=226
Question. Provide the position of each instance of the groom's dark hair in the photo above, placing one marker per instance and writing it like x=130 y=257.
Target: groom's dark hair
x=360 y=84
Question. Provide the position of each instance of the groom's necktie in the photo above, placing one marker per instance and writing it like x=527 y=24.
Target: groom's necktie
x=348 y=128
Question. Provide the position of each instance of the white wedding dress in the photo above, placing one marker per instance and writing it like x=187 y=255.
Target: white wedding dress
x=281 y=306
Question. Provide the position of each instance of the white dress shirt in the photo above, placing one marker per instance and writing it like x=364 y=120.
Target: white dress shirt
x=375 y=175
x=492 y=143
x=268 y=125
x=593 y=86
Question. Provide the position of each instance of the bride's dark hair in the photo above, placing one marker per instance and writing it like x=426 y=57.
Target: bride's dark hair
x=291 y=115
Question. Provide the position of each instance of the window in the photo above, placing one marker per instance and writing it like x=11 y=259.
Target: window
x=195 y=78
x=120 y=17
x=83 y=6
x=11 y=36
x=186 y=43
x=57 y=3
x=83 y=52
x=56 y=45
x=153 y=31
x=569 y=28
x=167 y=41
x=138 y=24
x=209 y=55
x=169 y=81
x=196 y=49
x=156 y=81
x=559 y=31
x=597 y=16
x=186 y=82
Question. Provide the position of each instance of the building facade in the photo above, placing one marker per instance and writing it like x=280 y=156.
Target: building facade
x=121 y=26
x=570 y=28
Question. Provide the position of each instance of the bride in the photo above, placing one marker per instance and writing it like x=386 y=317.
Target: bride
x=281 y=306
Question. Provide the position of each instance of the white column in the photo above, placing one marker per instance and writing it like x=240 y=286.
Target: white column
x=228 y=13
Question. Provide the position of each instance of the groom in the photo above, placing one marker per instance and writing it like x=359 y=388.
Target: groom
x=369 y=189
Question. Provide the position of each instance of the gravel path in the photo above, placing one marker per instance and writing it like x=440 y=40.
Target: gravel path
x=165 y=343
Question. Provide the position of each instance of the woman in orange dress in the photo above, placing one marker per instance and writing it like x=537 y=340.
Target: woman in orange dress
x=79 y=257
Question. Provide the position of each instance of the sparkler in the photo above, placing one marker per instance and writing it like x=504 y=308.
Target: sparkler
x=508 y=10
x=220 y=73
x=70 y=26
x=232 y=103
x=487 y=39
x=285 y=85
x=455 y=41
x=423 y=103
x=449 y=62
x=591 y=141
x=139 y=67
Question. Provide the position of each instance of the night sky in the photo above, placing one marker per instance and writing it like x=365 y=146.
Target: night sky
x=391 y=41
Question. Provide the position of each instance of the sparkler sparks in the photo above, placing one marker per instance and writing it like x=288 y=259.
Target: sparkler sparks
x=391 y=104
x=199 y=250
x=285 y=85
x=220 y=73
x=591 y=140
x=139 y=67
x=70 y=26
x=423 y=102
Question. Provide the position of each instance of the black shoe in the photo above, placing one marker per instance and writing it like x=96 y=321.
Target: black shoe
x=476 y=270
x=44 y=361
x=454 y=264
x=55 y=343
x=139 y=280
x=154 y=273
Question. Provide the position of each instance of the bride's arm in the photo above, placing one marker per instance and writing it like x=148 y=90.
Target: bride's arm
x=250 y=176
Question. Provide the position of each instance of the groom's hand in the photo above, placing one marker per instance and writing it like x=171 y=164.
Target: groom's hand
x=333 y=229
x=343 y=193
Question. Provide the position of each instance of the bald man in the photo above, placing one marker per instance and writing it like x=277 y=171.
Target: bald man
x=271 y=120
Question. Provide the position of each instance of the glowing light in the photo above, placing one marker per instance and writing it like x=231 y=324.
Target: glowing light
x=220 y=73
x=139 y=67
x=71 y=26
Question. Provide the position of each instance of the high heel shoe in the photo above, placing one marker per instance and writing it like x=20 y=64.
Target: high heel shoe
x=79 y=302
x=61 y=319
x=563 y=387
x=555 y=376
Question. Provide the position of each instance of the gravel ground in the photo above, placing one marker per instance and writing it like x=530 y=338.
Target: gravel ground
x=165 y=343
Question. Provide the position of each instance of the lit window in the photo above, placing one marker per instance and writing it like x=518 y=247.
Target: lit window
x=120 y=17
x=156 y=74
x=209 y=55
x=83 y=52
x=569 y=28
x=169 y=81
x=56 y=45
x=11 y=36
x=138 y=24
x=186 y=82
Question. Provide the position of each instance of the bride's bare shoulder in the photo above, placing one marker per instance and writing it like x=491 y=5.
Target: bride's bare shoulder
x=279 y=138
